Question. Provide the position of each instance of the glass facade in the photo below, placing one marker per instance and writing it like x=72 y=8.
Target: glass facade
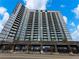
x=35 y=25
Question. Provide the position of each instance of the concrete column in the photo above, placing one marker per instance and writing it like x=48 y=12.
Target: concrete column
x=60 y=28
x=32 y=27
x=28 y=49
x=13 y=48
x=51 y=49
x=41 y=51
x=55 y=33
x=48 y=32
x=54 y=27
x=56 y=50
x=39 y=26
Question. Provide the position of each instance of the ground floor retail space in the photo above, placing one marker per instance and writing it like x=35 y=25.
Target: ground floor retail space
x=39 y=48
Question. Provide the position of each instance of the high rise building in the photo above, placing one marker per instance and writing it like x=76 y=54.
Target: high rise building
x=35 y=30
x=34 y=25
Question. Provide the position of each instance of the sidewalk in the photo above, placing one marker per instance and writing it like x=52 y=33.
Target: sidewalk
x=36 y=56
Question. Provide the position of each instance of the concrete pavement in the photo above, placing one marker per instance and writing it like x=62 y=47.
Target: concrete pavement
x=36 y=56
